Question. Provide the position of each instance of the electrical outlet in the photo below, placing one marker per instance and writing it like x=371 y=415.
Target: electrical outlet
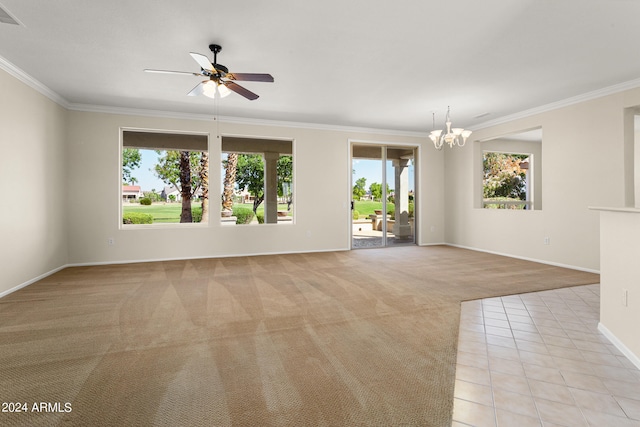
x=547 y=241
x=625 y=298
x=111 y=241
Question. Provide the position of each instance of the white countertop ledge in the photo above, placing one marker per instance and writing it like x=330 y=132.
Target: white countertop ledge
x=612 y=209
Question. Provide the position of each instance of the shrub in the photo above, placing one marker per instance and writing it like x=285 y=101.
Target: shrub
x=392 y=208
x=260 y=217
x=145 y=201
x=356 y=214
x=196 y=214
x=243 y=215
x=155 y=197
x=391 y=211
x=137 y=218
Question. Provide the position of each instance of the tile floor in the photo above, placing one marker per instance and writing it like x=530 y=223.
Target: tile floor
x=538 y=359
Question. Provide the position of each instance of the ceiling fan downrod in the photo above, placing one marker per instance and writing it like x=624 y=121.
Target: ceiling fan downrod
x=221 y=69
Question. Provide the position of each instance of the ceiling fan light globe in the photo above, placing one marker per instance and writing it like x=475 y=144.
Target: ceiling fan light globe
x=215 y=90
x=223 y=91
x=209 y=89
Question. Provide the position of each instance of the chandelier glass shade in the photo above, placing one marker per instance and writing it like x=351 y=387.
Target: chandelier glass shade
x=213 y=89
x=453 y=136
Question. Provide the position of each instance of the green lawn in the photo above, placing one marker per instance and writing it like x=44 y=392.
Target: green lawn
x=281 y=207
x=366 y=207
x=161 y=212
x=170 y=212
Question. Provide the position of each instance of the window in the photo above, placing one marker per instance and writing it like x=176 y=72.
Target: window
x=165 y=178
x=257 y=181
x=506 y=180
x=510 y=171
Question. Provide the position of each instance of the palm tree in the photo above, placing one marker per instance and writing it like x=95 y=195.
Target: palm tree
x=204 y=184
x=229 y=181
x=185 y=186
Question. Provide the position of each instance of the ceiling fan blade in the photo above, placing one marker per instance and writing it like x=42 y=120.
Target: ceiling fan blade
x=240 y=90
x=198 y=90
x=147 y=70
x=202 y=61
x=251 y=77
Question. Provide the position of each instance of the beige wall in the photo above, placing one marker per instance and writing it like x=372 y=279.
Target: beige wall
x=620 y=238
x=32 y=184
x=582 y=162
x=322 y=194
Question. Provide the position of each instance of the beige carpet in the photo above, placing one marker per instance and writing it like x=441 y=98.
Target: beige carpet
x=359 y=338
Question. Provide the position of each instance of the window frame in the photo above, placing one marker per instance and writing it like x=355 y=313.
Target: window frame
x=250 y=145
x=528 y=202
x=122 y=146
x=526 y=141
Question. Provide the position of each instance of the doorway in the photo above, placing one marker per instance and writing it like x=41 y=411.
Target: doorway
x=383 y=195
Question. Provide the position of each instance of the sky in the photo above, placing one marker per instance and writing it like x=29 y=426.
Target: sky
x=372 y=171
x=147 y=179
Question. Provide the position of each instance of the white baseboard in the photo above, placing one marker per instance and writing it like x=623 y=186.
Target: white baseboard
x=619 y=345
x=540 y=261
x=35 y=279
x=134 y=261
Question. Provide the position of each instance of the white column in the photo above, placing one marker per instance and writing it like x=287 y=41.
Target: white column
x=401 y=226
x=271 y=188
x=636 y=162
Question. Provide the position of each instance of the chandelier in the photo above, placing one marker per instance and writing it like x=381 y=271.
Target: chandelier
x=455 y=136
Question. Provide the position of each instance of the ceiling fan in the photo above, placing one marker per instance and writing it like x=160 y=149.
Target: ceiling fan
x=220 y=81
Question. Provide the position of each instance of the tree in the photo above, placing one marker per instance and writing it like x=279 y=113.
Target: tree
x=230 y=168
x=152 y=195
x=185 y=187
x=131 y=159
x=376 y=191
x=285 y=176
x=181 y=169
x=204 y=184
x=250 y=175
x=503 y=176
x=358 y=189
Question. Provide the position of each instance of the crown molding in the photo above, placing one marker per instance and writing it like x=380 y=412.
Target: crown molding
x=328 y=127
x=106 y=109
x=238 y=120
x=588 y=96
x=32 y=83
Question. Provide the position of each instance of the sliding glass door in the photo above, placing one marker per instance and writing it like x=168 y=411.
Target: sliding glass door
x=383 y=195
x=400 y=175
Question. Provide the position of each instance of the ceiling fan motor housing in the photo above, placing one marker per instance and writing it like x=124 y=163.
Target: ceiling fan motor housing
x=221 y=68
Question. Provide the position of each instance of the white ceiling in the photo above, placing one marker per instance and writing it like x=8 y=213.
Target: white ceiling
x=362 y=63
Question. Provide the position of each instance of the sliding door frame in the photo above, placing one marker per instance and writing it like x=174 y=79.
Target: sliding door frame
x=384 y=146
